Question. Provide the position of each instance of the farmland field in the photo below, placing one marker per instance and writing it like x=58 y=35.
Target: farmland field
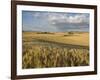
x=55 y=49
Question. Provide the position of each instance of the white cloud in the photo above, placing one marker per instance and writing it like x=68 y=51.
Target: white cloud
x=78 y=18
x=56 y=17
x=63 y=17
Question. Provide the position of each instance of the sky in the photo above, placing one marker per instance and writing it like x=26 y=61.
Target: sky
x=55 y=21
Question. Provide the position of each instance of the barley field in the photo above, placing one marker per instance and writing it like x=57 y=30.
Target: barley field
x=56 y=49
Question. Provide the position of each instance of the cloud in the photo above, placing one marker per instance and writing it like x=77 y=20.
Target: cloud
x=63 y=17
x=78 y=18
x=66 y=21
x=58 y=21
x=36 y=14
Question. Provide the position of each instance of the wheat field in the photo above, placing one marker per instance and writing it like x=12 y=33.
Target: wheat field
x=55 y=49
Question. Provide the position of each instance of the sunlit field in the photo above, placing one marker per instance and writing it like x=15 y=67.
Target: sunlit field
x=55 y=49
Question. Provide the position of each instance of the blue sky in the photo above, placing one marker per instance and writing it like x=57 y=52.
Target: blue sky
x=54 y=21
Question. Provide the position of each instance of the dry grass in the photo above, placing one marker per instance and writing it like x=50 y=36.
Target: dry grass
x=75 y=39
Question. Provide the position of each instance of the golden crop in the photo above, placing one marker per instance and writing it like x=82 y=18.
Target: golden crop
x=46 y=51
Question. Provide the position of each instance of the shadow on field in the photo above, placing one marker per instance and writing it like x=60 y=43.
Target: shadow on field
x=61 y=44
